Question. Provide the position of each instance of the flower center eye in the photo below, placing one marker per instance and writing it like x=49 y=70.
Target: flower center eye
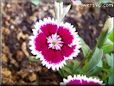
x=54 y=42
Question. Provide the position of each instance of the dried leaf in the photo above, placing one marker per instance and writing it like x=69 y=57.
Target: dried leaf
x=4 y=58
x=24 y=49
x=32 y=77
x=6 y=73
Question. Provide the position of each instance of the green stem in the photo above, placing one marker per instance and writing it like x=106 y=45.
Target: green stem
x=58 y=0
x=104 y=32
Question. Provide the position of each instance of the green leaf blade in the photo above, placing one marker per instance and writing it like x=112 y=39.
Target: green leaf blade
x=95 y=59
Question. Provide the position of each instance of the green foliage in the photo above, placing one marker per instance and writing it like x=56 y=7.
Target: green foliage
x=85 y=49
x=100 y=2
x=102 y=38
x=97 y=62
x=108 y=47
x=59 y=0
x=110 y=60
x=111 y=35
x=105 y=32
x=106 y=38
x=93 y=62
x=71 y=68
x=35 y=2
x=111 y=79
x=75 y=67
x=33 y=59
x=104 y=1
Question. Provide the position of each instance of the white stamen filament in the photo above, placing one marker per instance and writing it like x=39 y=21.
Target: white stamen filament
x=55 y=42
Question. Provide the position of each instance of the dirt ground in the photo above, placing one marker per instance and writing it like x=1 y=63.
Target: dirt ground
x=17 y=24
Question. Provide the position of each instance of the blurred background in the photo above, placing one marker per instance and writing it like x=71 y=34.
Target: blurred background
x=18 y=18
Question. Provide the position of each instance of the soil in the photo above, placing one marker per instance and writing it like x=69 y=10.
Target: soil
x=17 y=23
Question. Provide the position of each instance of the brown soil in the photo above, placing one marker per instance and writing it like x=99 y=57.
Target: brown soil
x=17 y=24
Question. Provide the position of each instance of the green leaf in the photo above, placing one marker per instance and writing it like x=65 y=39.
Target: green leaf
x=95 y=71
x=67 y=70
x=65 y=11
x=111 y=80
x=71 y=68
x=62 y=73
x=102 y=38
x=35 y=2
x=85 y=47
x=104 y=33
x=108 y=48
x=110 y=60
x=75 y=67
x=95 y=59
x=58 y=0
x=104 y=1
x=33 y=59
x=111 y=35
x=60 y=10
x=100 y=64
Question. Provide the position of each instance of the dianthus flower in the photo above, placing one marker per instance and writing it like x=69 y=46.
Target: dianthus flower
x=81 y=80
x=54 y=42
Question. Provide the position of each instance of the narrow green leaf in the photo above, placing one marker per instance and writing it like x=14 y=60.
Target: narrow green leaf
x=111 y=80
x=67 y=70
x=110 y=60
x=35 y=2
x=65 y=11
x=104 y=1
x=95 y=59
x=85 y=47
x=108 y=48
x=61 y=73
x=70 y=69
x=58 y=0
x=60 y=11
x=100 y=64
x=75 y=67
x=111 y=35
x=33 y=59
x=100 y=2
x=104 y=33
x=102 y=39
x=95 y=71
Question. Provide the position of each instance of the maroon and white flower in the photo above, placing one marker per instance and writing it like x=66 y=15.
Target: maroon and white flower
x=81 y=80
x=54 y=42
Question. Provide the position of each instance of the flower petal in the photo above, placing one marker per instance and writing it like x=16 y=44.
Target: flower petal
x=65 y=34
x=67 y=51
x=49 y=29
x=40 y=41
x=52 y=56
x=66 y=42
x=81 y=80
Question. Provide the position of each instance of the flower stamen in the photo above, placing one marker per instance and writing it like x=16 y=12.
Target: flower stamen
x=54 y=42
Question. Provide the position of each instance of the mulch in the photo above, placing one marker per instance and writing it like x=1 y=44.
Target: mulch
x=17 y=24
